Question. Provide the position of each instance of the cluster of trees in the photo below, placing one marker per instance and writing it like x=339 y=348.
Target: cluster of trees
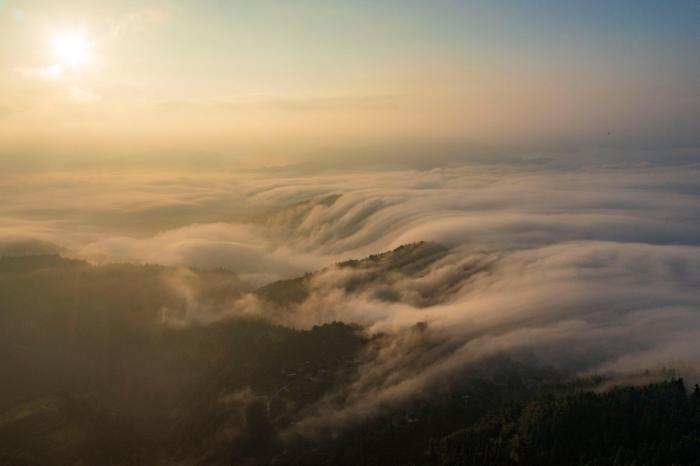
x=653 y=425
x=657 y=424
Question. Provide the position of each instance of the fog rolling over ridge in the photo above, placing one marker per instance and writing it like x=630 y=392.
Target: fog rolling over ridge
x=281 y=317
x=590 y=269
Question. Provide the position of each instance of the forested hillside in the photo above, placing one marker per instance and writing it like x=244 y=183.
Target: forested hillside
x=116 y=365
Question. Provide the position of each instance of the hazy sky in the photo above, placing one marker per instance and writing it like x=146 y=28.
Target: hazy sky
x=265 y=79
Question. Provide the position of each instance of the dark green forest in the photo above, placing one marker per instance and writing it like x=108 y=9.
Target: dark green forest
x=104 y=366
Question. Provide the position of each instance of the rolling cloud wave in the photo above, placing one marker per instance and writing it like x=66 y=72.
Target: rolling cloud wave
x=593 y=270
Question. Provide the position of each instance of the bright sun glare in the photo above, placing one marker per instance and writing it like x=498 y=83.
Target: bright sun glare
x=71 y=49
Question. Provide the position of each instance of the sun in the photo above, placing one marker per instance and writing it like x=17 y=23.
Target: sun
x=71 y=50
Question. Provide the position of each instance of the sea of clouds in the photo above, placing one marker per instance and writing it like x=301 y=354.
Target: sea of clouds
x=593 y=268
